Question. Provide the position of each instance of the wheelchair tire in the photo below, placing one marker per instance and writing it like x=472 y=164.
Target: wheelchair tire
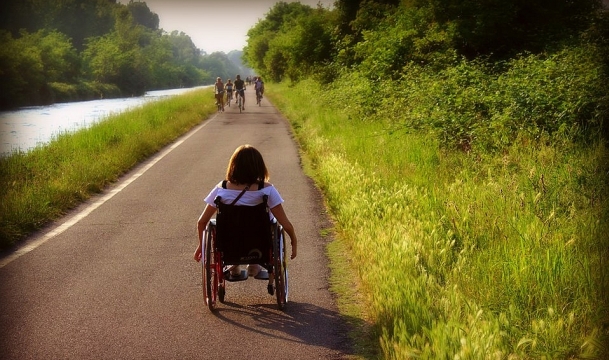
x=280 y=266
x=210 y=269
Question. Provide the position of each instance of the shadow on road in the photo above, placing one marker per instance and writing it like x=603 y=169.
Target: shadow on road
x=299 y=323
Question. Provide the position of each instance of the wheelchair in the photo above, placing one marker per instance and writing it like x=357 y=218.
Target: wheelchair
x=241 y=235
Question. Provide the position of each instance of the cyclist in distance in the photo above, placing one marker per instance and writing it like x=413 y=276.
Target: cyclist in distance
x=240 y=88
x=219 y=91
x=259 y=86
x=229 y=90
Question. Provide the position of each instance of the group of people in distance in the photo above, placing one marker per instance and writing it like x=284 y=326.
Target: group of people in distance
x=238 y=86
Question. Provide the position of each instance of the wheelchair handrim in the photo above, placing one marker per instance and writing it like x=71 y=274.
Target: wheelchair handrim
x=281 y=273
x=210 y=272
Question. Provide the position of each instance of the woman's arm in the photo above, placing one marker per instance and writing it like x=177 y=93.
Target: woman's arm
x=280 y=215
x=206 y=215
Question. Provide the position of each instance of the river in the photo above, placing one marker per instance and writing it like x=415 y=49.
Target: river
x=28 y=127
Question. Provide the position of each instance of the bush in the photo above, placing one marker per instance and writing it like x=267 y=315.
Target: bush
x=475 y=105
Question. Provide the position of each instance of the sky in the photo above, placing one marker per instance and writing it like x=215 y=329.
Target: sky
x=215 y=25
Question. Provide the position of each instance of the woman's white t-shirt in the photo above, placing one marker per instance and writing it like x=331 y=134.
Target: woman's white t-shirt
x=249 y=198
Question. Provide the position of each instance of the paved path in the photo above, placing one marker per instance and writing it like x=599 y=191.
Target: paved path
x=117 y=281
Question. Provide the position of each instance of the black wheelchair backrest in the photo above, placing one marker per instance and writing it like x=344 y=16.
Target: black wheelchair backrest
x=243 y=233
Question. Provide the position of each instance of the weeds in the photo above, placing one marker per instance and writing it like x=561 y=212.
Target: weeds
x=463 y=255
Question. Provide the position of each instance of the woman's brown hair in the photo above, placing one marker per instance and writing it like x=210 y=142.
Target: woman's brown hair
x=246 y=166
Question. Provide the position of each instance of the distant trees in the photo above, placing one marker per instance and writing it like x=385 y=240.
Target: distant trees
x=380 y=37
x=291 y=41
x=520 y=66
x=219 y=64
x=31 y=62
x=81 y=49
x=77 y=19
x=143 y=16
x=503 y=28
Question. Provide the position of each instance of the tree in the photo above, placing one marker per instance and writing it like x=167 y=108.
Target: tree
x=279 y=19
x=311 y=44
x=118 y=58
x=256 y=49
x=184 y=50
x=236 y=57
x=22 y=72
x=124 y=52
x=32 y=61
x=77 y=19
x=217 y=64
x=503 y=28
x=61 y=62
x=142 y=15
x=292 y=40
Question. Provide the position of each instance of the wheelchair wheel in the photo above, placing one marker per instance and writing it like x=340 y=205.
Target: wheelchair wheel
x=280 y=266
x=211 y=281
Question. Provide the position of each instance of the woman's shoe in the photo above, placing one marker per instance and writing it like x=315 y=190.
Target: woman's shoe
x=253 y=269
x=234 y=272
x=270 y=289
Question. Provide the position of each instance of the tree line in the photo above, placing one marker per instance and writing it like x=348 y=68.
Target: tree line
x=89 y=49
x=381 y=37
x=476 y=72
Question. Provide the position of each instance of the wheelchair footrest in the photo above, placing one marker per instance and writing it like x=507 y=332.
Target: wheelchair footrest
x=242 y=276
x=262 y=275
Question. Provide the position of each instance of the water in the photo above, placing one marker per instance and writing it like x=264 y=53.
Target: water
x=28 y=127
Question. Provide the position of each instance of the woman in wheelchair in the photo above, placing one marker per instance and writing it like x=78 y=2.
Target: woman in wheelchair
x=247 y=183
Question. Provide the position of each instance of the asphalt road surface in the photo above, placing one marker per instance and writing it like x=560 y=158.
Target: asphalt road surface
x=115 y=279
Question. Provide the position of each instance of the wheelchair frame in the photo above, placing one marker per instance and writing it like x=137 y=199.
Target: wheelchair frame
x=214 y=282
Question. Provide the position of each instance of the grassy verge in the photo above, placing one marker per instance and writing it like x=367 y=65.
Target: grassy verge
x=461 y=255
x=41 y=185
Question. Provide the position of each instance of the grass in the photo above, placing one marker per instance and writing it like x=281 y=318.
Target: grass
x=458 y=255
x=42 y=184
x=461 y=255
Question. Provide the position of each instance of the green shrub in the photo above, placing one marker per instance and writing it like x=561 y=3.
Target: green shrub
x=487 y=254
x=473 y=105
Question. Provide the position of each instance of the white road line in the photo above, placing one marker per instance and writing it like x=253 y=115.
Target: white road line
x=81 y=215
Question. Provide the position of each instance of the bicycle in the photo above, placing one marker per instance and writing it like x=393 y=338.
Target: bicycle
x=229 y=97
x=219 y=100
x=240 y=99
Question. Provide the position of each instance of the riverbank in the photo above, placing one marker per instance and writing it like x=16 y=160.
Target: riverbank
x=26 y=128
x=39 y=186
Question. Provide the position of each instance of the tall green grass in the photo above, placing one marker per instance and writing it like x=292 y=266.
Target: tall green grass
x=42 y=184
x=462 y=255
